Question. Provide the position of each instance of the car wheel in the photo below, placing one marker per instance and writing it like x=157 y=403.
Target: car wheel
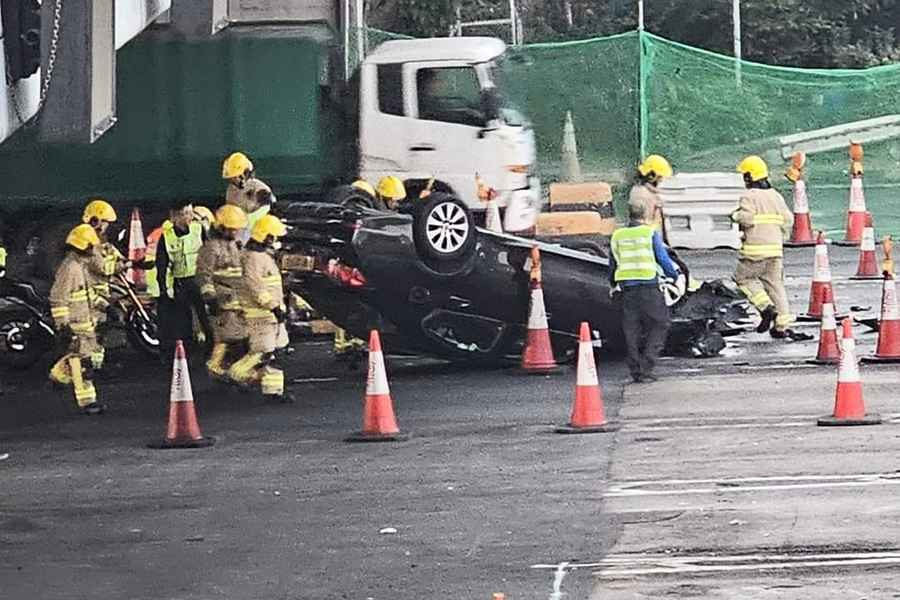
x=444 y=228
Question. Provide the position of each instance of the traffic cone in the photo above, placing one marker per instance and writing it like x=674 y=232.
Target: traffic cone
x=537 y=357
x=888 y=348
x=849 y=408
x=183 y=430
x=587 y=411
x=571 y=168
x=868 y=267
x=856 y=212
x=821 y=282
x=802 y=233
x=137 y=250
x=379 y=423
x=829 y=352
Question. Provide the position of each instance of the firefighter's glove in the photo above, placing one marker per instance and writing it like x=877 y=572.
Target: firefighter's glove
x=613 y=291
x=212 y=307
x=279 y=313
x=681 y=284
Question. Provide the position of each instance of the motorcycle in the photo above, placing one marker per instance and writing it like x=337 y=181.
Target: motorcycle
x=27 y=331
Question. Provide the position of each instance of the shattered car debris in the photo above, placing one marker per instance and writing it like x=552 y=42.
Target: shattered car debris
x=433 y=283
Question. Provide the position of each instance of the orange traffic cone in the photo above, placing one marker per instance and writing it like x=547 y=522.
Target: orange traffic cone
x=849 y=408
x=888 y=348
x=829 y=352
x=821 y=282
x=868 y=267
x=137 y=249
x=379 y=423
x=587 y=411
x=802 y=232
x=183 y=430
x=856 y=212
x=537 y=357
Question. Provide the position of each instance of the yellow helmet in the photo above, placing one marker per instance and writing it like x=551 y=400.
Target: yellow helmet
x=230 y=216
x=82 y=237
x=754 y=167
x=202 y=213
x=236 y=165
x=655 y=166
x=100 y=210
x=364 y=186
x=392 y=188
x=266 y=226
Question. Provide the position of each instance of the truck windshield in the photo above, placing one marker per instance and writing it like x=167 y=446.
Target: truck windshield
x=505 y=95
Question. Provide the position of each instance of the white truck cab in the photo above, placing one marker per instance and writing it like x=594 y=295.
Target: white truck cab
x=433 y=108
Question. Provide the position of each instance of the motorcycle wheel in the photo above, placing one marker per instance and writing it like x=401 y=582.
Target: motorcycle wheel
x=21 y=342
x=143 y=334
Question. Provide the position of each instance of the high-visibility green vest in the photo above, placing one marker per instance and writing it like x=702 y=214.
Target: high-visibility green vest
x=632 y=248
x=182 y=252
x=2 y=257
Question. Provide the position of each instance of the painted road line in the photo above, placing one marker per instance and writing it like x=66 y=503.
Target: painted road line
x=757 y=479
x=313 y=379
x=616 y=563
x=690 y=569
x=726 y=486
x=700 y=423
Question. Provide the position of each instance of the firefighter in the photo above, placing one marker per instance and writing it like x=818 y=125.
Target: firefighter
x=74 y=305
x=237 y=170
x=205 y=217
x=637 y=256
x=262 y=300
x=176 y=270
x=106 y=263
x=764 y=220
x=364 y=186
x=219 y=274
x=391 y=192
x=644 y=192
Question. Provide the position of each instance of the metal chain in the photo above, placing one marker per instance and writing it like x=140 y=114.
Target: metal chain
x=51 y=56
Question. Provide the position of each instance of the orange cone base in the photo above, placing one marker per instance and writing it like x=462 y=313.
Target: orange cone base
x=808 y=318
x=540 y=370
x=604 y=428
x=793 y=244
x=832 y=421
x=847 y=242
x=362 y=436
x=862 y=277
x=166 y=444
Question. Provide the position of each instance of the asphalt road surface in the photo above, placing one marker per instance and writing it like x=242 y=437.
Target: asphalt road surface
x=718 y=485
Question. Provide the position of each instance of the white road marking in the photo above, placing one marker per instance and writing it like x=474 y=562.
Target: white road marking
x=314 y=379
x=676 y=569
x=734 y=485
x=667 y=563
x=701 y=422
x=557 y=581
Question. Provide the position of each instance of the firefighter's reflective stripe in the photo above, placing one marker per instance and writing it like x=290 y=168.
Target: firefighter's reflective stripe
x=2 y=257
x=768 y=219
x=760 y=299
x=59 y=313
x=258 y=313
x=272 y=381
x=633 y=251
x=82 y=327
x=762 y=250
x=235 y=273
x=244 y=370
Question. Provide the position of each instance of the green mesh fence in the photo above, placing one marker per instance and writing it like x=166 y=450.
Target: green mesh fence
x=634 y=94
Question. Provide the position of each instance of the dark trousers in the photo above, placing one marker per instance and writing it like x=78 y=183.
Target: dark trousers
x=176 y=317
x=645 y=321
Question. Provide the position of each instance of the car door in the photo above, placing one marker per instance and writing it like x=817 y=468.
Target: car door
x=446 y=138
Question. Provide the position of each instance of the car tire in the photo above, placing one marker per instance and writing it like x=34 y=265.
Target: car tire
x=444 y=229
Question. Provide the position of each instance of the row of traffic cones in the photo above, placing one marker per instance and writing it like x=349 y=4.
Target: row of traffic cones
x=858 y=219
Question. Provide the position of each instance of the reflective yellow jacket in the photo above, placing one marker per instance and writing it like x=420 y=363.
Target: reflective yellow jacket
x=764 y=220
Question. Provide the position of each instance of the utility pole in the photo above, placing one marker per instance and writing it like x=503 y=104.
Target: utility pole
x=736 y=18
x=640 y=15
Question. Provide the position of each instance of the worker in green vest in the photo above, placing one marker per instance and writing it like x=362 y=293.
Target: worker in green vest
x=637 y=256
x=176 y=270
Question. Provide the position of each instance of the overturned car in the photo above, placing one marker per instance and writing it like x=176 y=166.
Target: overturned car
x=433 y=283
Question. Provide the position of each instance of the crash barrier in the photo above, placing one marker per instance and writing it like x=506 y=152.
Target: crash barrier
x=183 y=430
x=697 y=209
x=379 y=422
x=588 y=415
x=849 y=408
x=635 y=94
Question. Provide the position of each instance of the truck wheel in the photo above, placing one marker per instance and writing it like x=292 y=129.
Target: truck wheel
x=444 y=229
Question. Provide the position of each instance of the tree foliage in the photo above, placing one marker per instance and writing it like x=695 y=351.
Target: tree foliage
x=805 y=33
